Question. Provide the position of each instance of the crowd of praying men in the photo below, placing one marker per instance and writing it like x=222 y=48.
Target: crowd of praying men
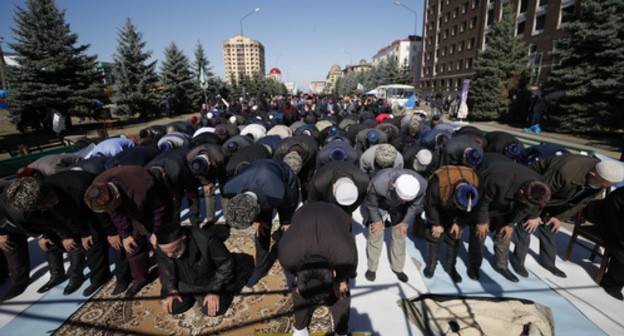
x=313 y=161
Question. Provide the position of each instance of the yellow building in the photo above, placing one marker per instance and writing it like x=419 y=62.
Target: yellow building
x=242 y=55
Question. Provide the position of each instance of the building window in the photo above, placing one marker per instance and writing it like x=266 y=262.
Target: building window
x=540 y=22
x=445 y=34
x=475 y=3
x=470 y=44
x=462 y=27
x=542 y=3
x=520 y=27
x=454 y=30
x=524 y=4
x=464 y=8
x=460 y=46
x=473 y=22
x=449 y=66
x=468 y=63
x=490 y=17
x=447 y=17
x=452 y=49
x=567 y=13
x=455 y=12
x=444 y=51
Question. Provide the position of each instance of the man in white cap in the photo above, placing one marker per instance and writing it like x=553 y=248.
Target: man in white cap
x=574 y=180
x=399 y=194
x=341 y=183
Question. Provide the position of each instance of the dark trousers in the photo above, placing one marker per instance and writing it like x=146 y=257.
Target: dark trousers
x=191 y=294
x=339 y=308
x=54 y=256
x=501 y=250
x=138 y=261
x=265 y=256
x=18 y=259
x=548 y=248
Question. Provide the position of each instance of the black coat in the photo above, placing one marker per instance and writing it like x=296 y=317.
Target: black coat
x=326 y=176
x=319 y=229
x=499 y=205
x=206 y=265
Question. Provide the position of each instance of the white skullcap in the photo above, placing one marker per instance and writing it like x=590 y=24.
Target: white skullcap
x=610 y=171
x=232 y=120
x=345 y=191
x=407 y=187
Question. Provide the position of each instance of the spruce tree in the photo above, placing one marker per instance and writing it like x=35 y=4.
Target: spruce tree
x=500 y=71
x=53 y=71
x=177 y=79
x=404 y=75
x=591 y=73
x=136 y=82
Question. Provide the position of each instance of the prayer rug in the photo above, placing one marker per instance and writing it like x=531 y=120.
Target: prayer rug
x=268 y=309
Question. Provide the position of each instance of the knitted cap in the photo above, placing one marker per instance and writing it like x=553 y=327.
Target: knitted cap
x=99 y=196
x=513 y=149
x=169 y=236
x=338 y=154
x=345 y=191
x=25 y=194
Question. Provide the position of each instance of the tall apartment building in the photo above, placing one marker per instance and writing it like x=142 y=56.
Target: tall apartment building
x=455 y=31
x=407 y=50
x=242 y=55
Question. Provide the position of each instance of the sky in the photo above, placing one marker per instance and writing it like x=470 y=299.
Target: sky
x=302 y=38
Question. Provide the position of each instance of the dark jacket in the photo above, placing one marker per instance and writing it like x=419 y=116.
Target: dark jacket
x=499 y=203
x=217 y=159
x=206 y=266
x=322 y=183
x=245 y=156
x=503 y=143
x=143 y=200
x=319 y=229
x=440 y=211
x=566 y=176
x=275 y=184
x=135 y=156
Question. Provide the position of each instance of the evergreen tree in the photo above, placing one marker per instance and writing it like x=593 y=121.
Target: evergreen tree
x=202 y=61
x=404 y=74
x=500 y=71
x=177 y=79
x=591 y=72
x=136 y=82
x=53 y=71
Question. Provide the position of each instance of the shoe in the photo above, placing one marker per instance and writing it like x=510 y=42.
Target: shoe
x=72 y=286
x=15 y=291
x=120 y=287
x=454 y=275
x=51 y=283
x=537 y=129
x=555 y=271
x=520 y=270
x=92 y=289
x=401 y=276
x=505 y=272
x=615 y=291
x=370 y=276
x=428 y=272
x=473 y=273
x=527 y=130
x=134 y=290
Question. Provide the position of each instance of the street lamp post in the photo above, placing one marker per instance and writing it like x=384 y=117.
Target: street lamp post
x=244 y=68
x=414 y=61
x=350 y=56
x=256 y=10
x=398 y=3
